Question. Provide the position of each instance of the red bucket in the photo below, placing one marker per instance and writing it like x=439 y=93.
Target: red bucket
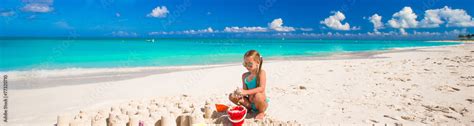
x=237 y=115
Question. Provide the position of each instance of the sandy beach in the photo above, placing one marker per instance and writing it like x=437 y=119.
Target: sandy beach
x=419 y=86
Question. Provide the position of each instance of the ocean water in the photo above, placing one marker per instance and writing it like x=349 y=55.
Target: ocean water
x=30 y=54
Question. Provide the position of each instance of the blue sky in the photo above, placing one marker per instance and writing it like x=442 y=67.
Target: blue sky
x=237 y=18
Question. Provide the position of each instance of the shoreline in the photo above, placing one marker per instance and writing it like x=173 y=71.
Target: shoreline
x=46 y=78
x=229 y=62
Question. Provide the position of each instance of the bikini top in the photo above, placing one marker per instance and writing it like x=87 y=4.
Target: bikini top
x=252 y=83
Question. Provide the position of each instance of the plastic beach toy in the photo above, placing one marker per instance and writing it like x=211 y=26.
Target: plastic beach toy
x=221 y=107
x=237 y=115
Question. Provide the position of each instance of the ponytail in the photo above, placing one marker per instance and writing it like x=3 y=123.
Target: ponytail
x=258 y=72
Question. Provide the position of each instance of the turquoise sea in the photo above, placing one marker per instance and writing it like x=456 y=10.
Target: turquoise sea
x=61 y=53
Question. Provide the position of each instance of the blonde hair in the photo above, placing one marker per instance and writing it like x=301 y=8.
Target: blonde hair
x=257 y=58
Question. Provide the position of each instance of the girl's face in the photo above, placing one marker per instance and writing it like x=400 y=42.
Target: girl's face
x=250 y=64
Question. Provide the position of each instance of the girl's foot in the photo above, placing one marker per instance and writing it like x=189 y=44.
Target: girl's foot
x=260 y=116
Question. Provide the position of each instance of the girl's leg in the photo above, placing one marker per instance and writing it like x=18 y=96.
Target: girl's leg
x=261 y=104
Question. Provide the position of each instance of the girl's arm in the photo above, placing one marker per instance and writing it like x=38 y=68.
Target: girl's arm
x=259 y=89
x=243 y=81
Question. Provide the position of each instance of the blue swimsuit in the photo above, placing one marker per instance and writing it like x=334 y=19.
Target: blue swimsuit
x=251 y=85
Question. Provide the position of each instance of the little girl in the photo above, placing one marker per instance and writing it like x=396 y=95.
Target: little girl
x=252 y=95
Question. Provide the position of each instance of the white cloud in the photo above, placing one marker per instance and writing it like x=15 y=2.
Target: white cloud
x=334 y=22
x=233 y=29
x=355 y=28
x=158 y=33
x=454 y=33
x=245 y=29
x=433 y=18
x=277 y=25
x=403 y=19
x=64 y=25
x=124 y=34
x=403 y=32
x=377 y=22
x=158 y=12
x=37 y=7
x=207 y=30
x=306 y=29
x=426 y=33
x=7 y=13
x=452 y=17
x=391 y=33
x=375 y=36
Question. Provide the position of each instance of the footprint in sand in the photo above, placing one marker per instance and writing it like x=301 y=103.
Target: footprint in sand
x=398 y=79
x=387 y=116
x=466 y=85
x=436 y=108
x=451 y=117
x=467 y=77
x=446 y=88
x=470 y=101
x=461 y=111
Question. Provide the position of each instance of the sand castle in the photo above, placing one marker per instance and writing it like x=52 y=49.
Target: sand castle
x=168 y=111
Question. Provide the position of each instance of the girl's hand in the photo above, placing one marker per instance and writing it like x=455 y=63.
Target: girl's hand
x=242 y=91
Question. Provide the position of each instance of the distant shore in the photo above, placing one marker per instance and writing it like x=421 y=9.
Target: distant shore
x=465 y=41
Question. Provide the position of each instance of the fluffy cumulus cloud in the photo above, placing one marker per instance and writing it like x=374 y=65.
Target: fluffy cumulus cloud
x=433 y=18
x=245 y=29
x=377 y=22
x=452 y=17
x=38 y=6
x=335 y=22
x=404 y=19
x=277 y=25
x=158 y=12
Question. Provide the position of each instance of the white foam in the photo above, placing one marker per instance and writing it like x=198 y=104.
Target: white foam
x=49 y=73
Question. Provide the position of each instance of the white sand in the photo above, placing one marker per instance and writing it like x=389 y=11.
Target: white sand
x=418 y=86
